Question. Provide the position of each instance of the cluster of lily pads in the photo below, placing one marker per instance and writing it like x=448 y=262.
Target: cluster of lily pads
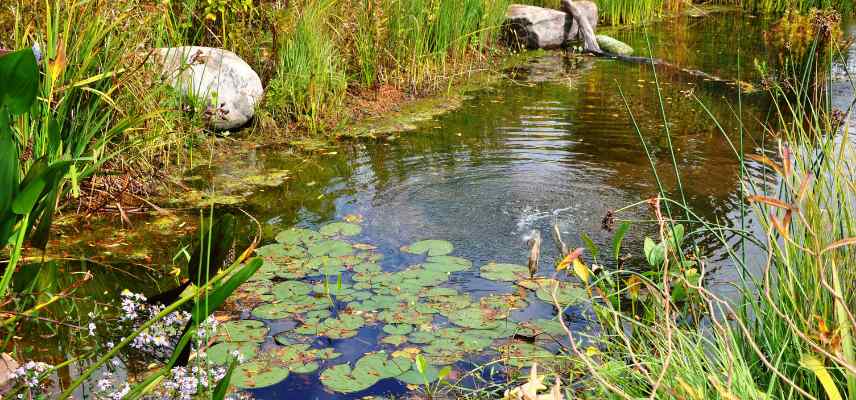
x=330 y=287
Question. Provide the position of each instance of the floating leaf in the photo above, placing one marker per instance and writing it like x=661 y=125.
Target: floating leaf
x=243 y=331
x=381 y=366
x=395 y=340
x=340 y=229
x=430 y=374
x=504 y=272
x=297 y=236
x=221 y=353
x=475 y=318
x=567 y=293
x=258 y=374
x=401 y=329
x=271 y=311
x=341 y=378
x=447 y=264
x=291 y=289
x=332 y=248
x=429 y=247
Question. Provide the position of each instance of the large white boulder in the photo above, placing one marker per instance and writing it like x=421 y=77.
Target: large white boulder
x=544 y=28
x=229 y=88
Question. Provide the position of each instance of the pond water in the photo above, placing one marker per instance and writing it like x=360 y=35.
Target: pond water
x=553 y=143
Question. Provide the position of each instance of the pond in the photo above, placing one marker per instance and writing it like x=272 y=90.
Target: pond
x=554 y=143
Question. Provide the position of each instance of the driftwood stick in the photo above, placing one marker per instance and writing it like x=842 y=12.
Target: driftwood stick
x=586 y=31
x=534 y=251
x=557 y=235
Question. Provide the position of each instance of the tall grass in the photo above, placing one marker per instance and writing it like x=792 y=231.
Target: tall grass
x=790 y=333
x=780 y=6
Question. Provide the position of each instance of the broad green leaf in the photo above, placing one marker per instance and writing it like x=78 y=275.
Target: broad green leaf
x=655 y=253
x=504 y=272
x=429 y=247
x=8 y=164
x=592 y=248
x=19 y=81
x=27 y=197
x=223 y=386
x=221 y=353
x=258 y=374
x=618 y=238
x=340 y=229
x=243 y=331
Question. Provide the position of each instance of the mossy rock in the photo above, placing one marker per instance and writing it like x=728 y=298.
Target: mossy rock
x=430 y=248
x=504 y=272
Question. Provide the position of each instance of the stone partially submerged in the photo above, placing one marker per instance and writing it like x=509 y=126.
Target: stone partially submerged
x=614 y=46
x=534 y=27
x=226 y=85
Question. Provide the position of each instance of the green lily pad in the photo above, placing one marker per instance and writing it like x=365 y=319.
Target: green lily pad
x=414 y=377
x=395 y=340
x=242 y=331
x=221 y=353
x=401 y=329
x=340 y=229
x=302 y=358
x=421 y=337
x=291 y=289
x=332 y=248
x=271 y=311
x=344 y=327
x=429 y=247
x=278 y=252
x=521 y=354
x=381 y=366
x=258 y=374
x=504 y=272
x=297 y=236
x=441 y=292
x=447 y=264
x=341 y=378
x=472 y=317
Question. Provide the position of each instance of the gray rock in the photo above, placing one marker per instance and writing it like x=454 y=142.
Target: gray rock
x=534 y=27
x=614 y=46
x=224 y=82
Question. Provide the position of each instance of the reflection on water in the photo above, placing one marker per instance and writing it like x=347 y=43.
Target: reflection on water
x=557 y=136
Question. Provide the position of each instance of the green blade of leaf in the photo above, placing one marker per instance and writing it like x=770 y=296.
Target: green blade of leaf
x=618 y=238
x=595 y=251
x=28 y=196
x=8 y=164
x=815 y=365
x=223 y=386
x=218 y=296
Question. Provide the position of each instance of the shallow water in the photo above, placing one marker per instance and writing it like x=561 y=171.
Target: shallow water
x=555 y=136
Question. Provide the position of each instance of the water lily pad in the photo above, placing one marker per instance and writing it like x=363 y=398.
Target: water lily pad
x=221 y=353
x=504 y=272
x=242 y=331
x=301 y=358
x=341 y=378
x=413 y=377
x=340 y=229
x=421 y=337
x=401 y=329
x=441 y=292
x=382 y=366
x=447 y=264
x=291 y=289
x=297 y=236
x=472 y=317
x=277 y=252
x=344 y=327
x=271 y=311
x=395 y=340
x=429 y=247
x=332 y=248
x=258 y=374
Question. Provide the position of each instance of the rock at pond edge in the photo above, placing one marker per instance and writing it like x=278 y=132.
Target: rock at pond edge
x=228 y=84
x=614 y=46
x=533 y=27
